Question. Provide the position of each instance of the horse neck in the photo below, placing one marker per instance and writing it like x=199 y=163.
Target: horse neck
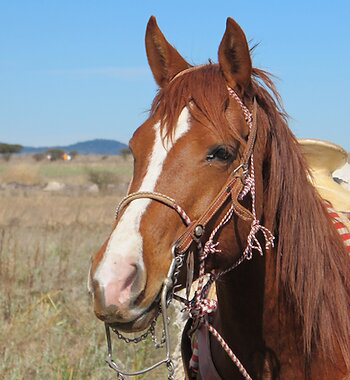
x=260 y=328
x=283 y=340
x=282 y=332
x=239 y=318
x=255 y=325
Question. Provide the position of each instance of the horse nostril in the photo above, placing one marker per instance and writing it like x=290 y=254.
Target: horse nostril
x=130 y=279
x=122 y=290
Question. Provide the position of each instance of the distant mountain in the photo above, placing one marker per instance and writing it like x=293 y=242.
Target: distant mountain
x=97 y=146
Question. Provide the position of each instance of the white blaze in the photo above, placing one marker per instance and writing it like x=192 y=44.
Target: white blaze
x=125 y=243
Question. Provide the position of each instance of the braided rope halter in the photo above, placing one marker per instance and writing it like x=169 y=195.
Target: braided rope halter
x=200 y=306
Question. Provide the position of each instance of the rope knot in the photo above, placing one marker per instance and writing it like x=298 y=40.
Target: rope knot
x=209 y=247
x=248 y=184
x=253 y=242
x=202 y=307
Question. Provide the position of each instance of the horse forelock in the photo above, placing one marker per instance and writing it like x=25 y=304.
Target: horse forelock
x=205 y=94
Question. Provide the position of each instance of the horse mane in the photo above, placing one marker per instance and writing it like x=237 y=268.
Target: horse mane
x=312 y=267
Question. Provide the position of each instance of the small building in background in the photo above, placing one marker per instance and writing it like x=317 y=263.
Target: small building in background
x=66 y=157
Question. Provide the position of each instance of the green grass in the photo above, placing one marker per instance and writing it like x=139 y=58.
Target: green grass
x=71 y=171
x=65 y=169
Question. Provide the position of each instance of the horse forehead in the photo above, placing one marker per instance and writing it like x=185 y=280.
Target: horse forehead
x=144 y=138
x=160 y=149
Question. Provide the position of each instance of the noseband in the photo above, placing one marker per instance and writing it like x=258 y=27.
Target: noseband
x=239 y=184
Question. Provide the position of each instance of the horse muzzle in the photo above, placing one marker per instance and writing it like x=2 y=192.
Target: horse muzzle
x=124 y=312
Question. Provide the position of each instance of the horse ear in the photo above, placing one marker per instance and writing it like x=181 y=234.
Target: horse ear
x=164 y=60
x=234 y=57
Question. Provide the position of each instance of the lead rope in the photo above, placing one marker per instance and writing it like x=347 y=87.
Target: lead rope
x=201 y=306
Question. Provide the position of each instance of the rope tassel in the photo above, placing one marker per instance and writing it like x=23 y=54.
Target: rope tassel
x=202 y=307
x=209 y=247
x=254 y=243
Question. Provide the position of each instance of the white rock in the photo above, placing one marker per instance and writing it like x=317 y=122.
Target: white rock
x=93 y=188
x=54 y=186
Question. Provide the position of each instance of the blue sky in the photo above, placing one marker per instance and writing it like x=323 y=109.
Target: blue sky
x=77 y=70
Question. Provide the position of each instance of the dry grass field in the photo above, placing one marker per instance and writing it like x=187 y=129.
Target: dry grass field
x=47 y=327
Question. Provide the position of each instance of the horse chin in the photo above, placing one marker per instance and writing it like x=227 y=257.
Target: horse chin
x=140 y=323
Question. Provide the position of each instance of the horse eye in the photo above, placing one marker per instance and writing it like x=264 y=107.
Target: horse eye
x=219 y=153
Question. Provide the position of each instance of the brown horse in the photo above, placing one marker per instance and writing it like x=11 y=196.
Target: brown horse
x=285 y=314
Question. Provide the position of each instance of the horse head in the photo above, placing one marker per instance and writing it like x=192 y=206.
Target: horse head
x=191 y=143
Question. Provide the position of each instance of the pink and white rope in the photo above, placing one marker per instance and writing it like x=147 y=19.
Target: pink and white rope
x=157 y=197
x=229 y=352
x=183 y=215
x=252 y=240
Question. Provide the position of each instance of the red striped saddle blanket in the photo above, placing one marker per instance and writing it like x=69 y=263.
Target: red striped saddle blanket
x=337 y=218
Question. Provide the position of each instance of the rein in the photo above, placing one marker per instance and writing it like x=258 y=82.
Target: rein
x=239 y=184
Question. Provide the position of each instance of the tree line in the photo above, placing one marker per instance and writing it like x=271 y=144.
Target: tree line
x=7 y=150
